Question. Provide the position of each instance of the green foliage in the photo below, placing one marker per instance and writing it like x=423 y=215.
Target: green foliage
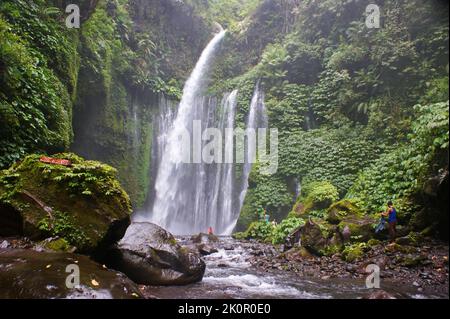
x=437 y=91
x=267 y=232
x=283 y=229
x=288 y=106
x=266 y=192
x=354 y=251
x=319 y=192
x=260 y=231
x=416 y=160
x=38 y=66
x=228 y=13
x=63 y=225
x=327 y=154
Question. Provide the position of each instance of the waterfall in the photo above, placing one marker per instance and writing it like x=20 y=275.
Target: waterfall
x=257 y=118
x=188 y=198
x=228 y=212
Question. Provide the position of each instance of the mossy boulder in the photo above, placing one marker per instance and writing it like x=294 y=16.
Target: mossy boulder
x=313 y=238
x=358 y=229
x=374 y=242
x=316 y=196
x=342 y=210
x=413 y=239
x=354 y=252
x=411 y=261
x=81 y=202
x=57 y=244
x=394 y=247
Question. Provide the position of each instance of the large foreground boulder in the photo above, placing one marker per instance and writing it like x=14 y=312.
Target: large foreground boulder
x=66 y=196
x=149 y=255
x=28 y=274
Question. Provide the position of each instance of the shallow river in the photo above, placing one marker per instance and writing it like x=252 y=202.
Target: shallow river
x=230 y=275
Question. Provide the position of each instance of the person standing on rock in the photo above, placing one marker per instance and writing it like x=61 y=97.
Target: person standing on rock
x=391 y=213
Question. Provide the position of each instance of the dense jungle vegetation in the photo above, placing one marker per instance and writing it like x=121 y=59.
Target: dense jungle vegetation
x=362 y=113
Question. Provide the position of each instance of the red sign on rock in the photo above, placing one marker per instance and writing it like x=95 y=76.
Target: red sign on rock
x=55 y=161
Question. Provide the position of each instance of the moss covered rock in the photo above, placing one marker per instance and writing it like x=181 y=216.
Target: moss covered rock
x=342 y=210
x=413 y=239
x=410 y=260
x=358 y=229
x=353 y=252
x=57 y=244
x=313 y=238
x=317 y=196
x=373 y=242
x=82 y=203
x=394 y=247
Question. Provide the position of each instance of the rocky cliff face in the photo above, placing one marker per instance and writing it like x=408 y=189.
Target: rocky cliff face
x=144 y=49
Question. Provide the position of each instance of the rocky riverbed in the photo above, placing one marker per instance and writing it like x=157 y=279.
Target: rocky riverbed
x=239 y=269
x=247 y=269
x=424 y=269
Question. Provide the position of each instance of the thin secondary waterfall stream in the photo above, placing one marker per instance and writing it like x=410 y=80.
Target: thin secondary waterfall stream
x=189 y=198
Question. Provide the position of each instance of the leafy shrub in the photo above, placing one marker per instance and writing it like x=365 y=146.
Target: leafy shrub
x=319 y=195
x=402 y=172
x=283 y=229
x=63 y=225
x=35 y=106
x=262 y=231
x=327 y=154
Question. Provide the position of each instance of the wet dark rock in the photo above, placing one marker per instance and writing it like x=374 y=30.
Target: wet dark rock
x=150 y=255
x=206 y=250
x=4 y=244
x=28 y=274
x=312 y=238
x=379 y=294
x=204 y=238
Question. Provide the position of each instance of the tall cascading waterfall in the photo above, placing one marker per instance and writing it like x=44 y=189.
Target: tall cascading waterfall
x=204 y=193
x=188 y=198
x=257 y=119
x=183 y=199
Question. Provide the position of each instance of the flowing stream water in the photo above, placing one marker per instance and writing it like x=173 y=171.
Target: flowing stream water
x=230 y=275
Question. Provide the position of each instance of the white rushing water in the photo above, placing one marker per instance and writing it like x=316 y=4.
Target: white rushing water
x=257 y=118
x=188 y=198
x=174 y=189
